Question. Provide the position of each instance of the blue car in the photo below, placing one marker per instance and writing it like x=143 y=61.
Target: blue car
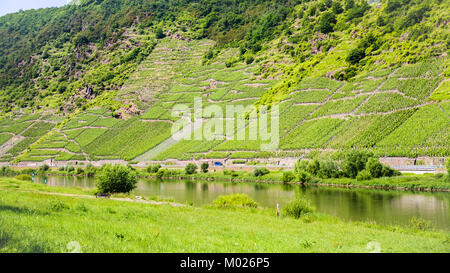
x=218 y=164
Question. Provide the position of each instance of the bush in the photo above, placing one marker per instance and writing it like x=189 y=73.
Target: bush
x=44 y=168
x=204 y=167
x=288 y=177
x=304 y=177
x=329 y=169
x=297 y=208
x=313 y=167
x=354 y=162
x=80 y=171
x=363 y=175
x=153 y=168
x=90 y=170
x=62 y=169
x=260 y=172
x=374 y=167
x=419 y=223
x=388 y=172
x=235 y=200
x=23 y=177
x=327 y=22
x=159 y=33
x=6 y=171
x=70 y=168
x=301 y=165
x=190 y=168
x=116 y=179
x=160 y=173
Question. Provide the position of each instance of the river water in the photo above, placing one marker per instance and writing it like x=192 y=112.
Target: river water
x=387 y=207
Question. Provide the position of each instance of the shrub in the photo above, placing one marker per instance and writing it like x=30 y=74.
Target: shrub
x=374 y=167
x=313 y=167
x=57 y=205
x=388 y=172
x=70 y=168
x=44 y=168
x=116 y=179
x=159 y=33
x=419 y=223
x=6 y=171
x=301 y=165
x=235 y=200
x=190 y=168
x=62 y=169
x=160 y=173
x=327 y=22
x=304 y=177
x=288 y=177
x=363 y=175
x=297 y=208
x=354 y=162
x=23 y=177
x=204 y=167
x=90 y=170
x=80 y=171
x=153 y=168
x=329 y=169
x=260 y=171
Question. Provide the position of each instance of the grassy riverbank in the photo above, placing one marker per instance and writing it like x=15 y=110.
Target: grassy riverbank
x=36 y=218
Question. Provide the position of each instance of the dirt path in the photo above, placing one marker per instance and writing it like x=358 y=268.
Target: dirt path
x=151 y=202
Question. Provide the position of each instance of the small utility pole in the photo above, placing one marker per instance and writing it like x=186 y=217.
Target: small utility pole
x=278 y=210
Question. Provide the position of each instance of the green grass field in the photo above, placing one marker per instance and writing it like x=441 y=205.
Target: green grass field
x=49 y=220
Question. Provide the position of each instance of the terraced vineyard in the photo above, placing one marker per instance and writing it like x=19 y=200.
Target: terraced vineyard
x=393 y=112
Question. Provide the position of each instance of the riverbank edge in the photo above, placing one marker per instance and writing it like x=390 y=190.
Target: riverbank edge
x=243 y=180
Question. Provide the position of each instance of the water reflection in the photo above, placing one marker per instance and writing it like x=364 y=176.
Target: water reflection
x=393 y=207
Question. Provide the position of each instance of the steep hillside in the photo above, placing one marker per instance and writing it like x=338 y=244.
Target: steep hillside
x=101 y=84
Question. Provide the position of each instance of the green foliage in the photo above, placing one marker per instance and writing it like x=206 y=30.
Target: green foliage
x=190 y=168
x=374 y=167
x=23 y=177
x=297 y=208
x=235 y=200
x=354 y=162
x=153 y=168
x=260 y=171
x=288 y=177
x=116 y=179
x=363 y=175
x=204 y=167
x=44 y=168
x=304 y=176
x=327 y=22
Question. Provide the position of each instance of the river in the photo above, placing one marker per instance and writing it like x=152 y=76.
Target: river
x=380 y=206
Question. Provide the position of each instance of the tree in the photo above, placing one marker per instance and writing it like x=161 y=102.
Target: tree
x=159 y=33
x=116 y=179
x=260 y=171
x=204 y=167
x=354 y=162
x=374 y=167
x=356 y=55
x=190 y=168
x=327 y=22
x=336 y=7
